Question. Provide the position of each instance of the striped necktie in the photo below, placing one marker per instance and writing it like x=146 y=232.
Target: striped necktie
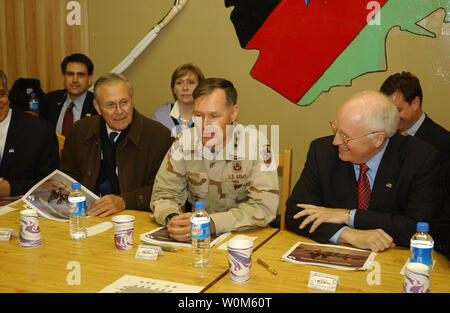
x=112 y=137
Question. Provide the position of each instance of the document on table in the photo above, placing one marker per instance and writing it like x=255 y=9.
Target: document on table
x=329 y=256
x=49 y=196
x=160 y=236
x=135 y=284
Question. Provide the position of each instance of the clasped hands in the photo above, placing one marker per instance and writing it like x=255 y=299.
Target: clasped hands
x=373 y=239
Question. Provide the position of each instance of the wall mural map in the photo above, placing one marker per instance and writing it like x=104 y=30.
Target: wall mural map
x=307 y=47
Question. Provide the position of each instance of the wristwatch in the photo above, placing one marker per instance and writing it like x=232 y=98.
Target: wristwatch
x=168 y=217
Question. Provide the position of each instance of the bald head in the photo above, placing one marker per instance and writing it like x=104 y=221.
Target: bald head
x=371 y=110
x=362 y=126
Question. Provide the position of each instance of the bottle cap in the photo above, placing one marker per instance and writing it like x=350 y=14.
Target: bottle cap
x=422 y=226
x=76 y=186
x=33 y=94
x=199 y=204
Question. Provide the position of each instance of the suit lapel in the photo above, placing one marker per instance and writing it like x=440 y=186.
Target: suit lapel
x=387 y=174
x=61 y=98
x=87 y=105
x=12 y=137
x=344 y=181
x=423 y=130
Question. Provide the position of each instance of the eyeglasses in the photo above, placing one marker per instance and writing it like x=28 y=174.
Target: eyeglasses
x=111 y=106
x=344 y=137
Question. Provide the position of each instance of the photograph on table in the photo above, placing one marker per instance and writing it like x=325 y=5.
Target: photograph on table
x=50 y=196
x=329 y=256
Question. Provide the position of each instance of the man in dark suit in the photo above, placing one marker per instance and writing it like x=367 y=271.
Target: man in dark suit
x=405 y=92
x=28 y=147
x=66 y=106
x=367 y=186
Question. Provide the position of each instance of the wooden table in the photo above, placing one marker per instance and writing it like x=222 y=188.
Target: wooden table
x=293 y=278
x=47 y=268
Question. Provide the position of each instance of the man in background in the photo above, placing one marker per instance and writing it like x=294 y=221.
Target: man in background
x=28 y=148
x=117 y=153
x=405 y=92
x=64 y=107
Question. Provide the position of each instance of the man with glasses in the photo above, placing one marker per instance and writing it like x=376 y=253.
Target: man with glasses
x=66 y=106
x=117 y=153
x=367 y=185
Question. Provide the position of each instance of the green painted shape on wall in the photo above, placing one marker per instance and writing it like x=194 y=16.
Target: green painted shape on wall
x=367 y=52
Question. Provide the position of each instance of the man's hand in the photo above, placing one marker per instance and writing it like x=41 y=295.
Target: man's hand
x=5 y=188
x=179 y=227
x=376 y=240
x=319 y=215
x=107 y=205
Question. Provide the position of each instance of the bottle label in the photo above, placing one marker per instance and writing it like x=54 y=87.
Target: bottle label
x=77 y=208
x=34 y=105
x=421 y=255
x=200 y=228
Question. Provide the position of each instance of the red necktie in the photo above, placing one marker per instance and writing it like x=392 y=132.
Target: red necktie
x=68 y=119
x=363 y=188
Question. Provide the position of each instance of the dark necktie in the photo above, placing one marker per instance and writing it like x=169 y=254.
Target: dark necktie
x=363 y=188
x=68 y=119
x=112 y=136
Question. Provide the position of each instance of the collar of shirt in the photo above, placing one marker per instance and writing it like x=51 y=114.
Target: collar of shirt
x=413 y=129
x=4 y=125
x=78 y=107
x=175 y=113
x=78 y=102
x=373 y=165
x=109 y=131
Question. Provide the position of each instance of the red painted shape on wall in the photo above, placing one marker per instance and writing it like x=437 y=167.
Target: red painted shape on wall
x=298 y=43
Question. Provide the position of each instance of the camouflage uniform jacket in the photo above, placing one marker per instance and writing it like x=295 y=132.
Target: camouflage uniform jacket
x=238 y=184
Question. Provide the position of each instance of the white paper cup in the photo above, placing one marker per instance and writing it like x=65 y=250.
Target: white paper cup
x=240 y=260
x=123 y=231
x=417 y=278
x=30 y=231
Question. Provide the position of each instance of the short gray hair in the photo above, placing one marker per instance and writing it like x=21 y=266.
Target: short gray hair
x=5 y=80
x=382 y=113
x=109 y=79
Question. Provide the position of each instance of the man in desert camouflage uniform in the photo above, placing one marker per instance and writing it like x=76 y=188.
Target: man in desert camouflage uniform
x=220 y=163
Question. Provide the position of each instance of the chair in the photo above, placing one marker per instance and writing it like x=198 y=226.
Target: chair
x=32 y=113
x=61 y=139
x=285 y=165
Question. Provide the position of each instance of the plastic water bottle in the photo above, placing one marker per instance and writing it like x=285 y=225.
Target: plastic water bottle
x=34 y=103
x=200 y=234
x=422 y=246
x=77 y=208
